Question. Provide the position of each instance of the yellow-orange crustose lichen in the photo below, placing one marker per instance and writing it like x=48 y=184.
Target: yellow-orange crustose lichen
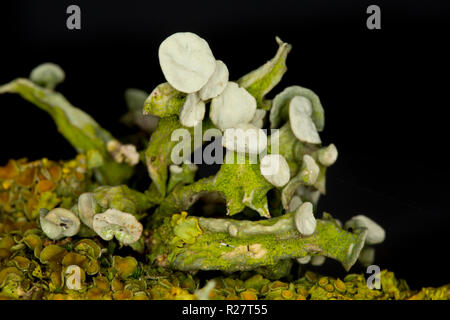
x=26 y=187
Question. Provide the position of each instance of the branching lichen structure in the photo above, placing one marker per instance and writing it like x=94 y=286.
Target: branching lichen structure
x=76 y=229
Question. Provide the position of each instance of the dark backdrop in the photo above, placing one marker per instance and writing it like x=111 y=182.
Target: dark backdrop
x=384 y=91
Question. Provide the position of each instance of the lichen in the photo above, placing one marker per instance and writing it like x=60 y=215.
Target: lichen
x=64 y=224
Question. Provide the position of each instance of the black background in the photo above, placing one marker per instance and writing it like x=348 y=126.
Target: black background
x=385 y=93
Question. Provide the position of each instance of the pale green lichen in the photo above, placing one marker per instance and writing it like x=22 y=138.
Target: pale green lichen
x=135 y=99
x=115 y=223
x=267 y=243
x=47 y=75
x=259 y=82
x=157 y=155
x=181 y=175
x=280 y=108
x=164 y=101
x=307 y=176
x=375 y=233
x=288 y=146
x=159 y=150
x=59 y=223
x=327 y=155
x=121 y=198
x=87 y=207
x=241 y=185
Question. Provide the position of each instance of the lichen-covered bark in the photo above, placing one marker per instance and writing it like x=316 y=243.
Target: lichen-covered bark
x=192 y=243
x=33 y=269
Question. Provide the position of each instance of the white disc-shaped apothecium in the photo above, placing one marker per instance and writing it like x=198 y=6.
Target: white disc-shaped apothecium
x=258 y=118
x=245 y=138
x=234 y=106
x=304 y=219
x=302 y=125
x=216 y=83
x=275 y=169
x=375 y=233
x=280 y=104
x=86 y=208
x=59 y=223
x=186 y=61
x=309 y=170
x=327 y=155
x=193 y=111
x=115 y=223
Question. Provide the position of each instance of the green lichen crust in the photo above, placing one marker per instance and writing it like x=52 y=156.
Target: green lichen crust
x=80 y=129
x=231 y=245
x=259 y=82
x=157 y=154
x=241 y=185
x=182 y=175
